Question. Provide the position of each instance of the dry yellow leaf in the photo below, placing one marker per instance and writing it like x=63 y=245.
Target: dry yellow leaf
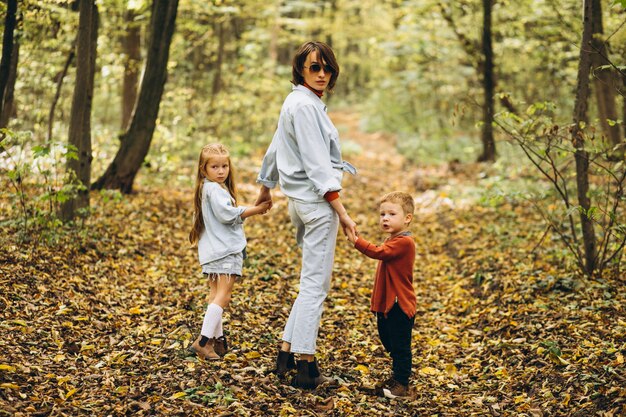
x=8 y=368
x=70 y=393
x=427 y=370
x=362 y=369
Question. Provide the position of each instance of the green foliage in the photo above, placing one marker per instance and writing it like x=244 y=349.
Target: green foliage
x=548 y=145
x=39 y=185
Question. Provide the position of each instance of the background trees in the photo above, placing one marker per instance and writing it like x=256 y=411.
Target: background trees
x=432 y=72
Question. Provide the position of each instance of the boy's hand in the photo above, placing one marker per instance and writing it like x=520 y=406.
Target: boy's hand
x=353 y=237
x=349 y=227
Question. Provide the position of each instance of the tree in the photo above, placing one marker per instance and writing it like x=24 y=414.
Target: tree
x=8 y=103
x=132 y=50
x=581 y=155
x=489 y=144
x=604 y=80
x=7 y=49
x=135 y=142
x=483 y=62
x=79 y=168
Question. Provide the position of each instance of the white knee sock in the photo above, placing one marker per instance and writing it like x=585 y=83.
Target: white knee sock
x=220 y=329
x=212 y=322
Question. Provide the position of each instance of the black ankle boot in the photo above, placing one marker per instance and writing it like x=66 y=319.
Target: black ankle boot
x=309 y=376
x=284 y=363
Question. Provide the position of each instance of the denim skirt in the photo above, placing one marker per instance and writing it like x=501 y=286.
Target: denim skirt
x=228 y=265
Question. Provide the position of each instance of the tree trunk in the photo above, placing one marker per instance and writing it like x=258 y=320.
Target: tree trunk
x=604 y=81
x=60 y=79
x=8 y=106
x=132 y=51
x=79 y=170
x=623 y=75
x=7 y=48
x=489 y=144
x=135 y=143
x=581 y=156
x=217 y=78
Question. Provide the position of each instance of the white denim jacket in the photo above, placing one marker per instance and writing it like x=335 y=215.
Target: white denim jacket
x=305 y=155
x=223 y=226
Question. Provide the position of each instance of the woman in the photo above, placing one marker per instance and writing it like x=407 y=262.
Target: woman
x=305 y=159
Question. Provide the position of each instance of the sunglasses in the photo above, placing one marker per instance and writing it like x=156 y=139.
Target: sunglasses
x=317 y=68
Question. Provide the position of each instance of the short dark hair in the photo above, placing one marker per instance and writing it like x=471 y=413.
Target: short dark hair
x=325 y=53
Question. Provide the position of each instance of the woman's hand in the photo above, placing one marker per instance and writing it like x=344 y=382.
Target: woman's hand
x=264 y=196
x=349 y=227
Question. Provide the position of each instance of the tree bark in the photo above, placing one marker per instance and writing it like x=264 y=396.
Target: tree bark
x=604 y=80
x=135 y=143
x=79 y=170
x=10 y=23
x=217 y=78
x=132 y=50
x=623 y=76
x=581 y=156
x=8 y=106
x=489 y=144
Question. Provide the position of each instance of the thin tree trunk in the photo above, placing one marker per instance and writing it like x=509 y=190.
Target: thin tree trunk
x=132 y=50
x=8 y=108
x=604 y=79
x=79 y=170
x=217 y=79
x=135 y=143
x=61 y=78
x=10 y=23
x=623 y=75
x=489 y=144
x=581 y=156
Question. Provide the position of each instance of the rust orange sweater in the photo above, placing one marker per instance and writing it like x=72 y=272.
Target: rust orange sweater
x=394 y=274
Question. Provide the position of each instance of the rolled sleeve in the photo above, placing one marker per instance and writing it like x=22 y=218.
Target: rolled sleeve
x=314 y=151
x=268 y=175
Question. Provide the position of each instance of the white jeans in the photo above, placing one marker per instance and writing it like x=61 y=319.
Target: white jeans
x=316 y=233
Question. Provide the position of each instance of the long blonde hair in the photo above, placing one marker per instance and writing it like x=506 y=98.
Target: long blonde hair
x=212 y=149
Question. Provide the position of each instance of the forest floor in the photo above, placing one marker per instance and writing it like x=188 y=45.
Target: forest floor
x=99 y=322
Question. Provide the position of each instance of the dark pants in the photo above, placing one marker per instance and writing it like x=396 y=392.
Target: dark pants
x=395 y=334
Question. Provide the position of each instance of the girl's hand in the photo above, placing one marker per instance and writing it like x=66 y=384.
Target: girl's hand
x=264 y=206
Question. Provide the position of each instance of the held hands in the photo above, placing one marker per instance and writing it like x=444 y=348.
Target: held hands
x=264 y=206
x=349 y=227
x=264 y=196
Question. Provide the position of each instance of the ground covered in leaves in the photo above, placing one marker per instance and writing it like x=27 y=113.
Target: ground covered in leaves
x=100 y=322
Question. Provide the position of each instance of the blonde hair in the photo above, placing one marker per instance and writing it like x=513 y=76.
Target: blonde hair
x=212 y=149
x=403 y=199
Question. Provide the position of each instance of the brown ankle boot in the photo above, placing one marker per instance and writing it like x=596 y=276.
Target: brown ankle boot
x=220 y=345
x=309 y=376
x=204 y=349
x=284 y=363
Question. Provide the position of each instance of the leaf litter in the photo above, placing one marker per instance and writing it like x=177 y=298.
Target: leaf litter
x=100 y=323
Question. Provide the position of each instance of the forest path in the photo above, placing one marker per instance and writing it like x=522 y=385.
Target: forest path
x=99 y=321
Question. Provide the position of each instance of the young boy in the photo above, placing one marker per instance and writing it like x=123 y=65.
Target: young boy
x=393 y=298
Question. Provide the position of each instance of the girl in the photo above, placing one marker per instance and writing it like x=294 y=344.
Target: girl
x=218 y=231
